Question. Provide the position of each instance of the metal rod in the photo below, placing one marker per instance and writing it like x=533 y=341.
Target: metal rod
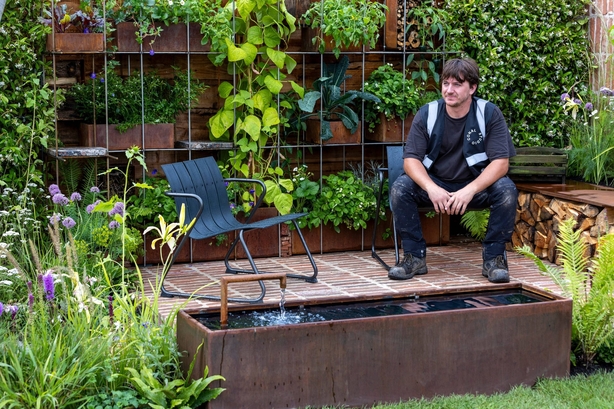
x=242 y=279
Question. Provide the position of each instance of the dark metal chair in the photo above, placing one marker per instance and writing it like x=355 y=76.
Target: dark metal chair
x=198 y=184
x=394 y=156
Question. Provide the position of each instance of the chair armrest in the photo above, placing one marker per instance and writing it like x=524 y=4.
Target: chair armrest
x=201 y=204
x=260 y=197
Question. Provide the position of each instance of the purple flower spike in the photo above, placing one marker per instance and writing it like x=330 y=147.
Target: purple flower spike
x=564 y=97
x=75 y=197
x=118 y=208
x=49 y=286
x=588 y=106
x=13 y=310
x=54 y=189
x=90 y=208
x=151 y=52
x=1 y=308
x=55 y=219
x=30 y=301
x=69 y=222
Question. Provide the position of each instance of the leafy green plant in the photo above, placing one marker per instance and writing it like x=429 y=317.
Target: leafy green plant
x=347 y=23
x=334 y=104
x=524 y=84
x=476 y=221
x=589 y=284
x=250 y=116
x=151 y=201
x=398 y=95
x=86 y=19
x=344 y=199
x=591 y=135
x=121 y=98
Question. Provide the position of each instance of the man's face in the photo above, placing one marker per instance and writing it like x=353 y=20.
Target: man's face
x=456 y=93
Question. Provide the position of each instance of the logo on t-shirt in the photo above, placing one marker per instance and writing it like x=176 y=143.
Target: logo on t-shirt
x=474 y=137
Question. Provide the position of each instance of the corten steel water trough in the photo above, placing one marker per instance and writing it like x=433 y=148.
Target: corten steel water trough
x=364 y=361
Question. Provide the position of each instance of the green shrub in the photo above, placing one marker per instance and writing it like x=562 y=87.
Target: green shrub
x=527 y=55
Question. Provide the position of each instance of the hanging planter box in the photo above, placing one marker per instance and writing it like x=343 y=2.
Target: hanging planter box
x=75 y=42
x=157 y=136
x=341 y=135
x=393 y=130
x=173 y=38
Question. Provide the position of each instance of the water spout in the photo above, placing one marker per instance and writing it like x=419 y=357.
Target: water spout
x=224 y=281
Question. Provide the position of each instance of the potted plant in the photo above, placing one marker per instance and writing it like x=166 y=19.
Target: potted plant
x=341 y=24
x=426 y=25
x=389 y=120
x=74 y=31
x=337 y=113
x=163 y=26
x=121 y=99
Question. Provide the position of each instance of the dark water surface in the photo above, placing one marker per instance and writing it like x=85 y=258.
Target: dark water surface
x=375 y=308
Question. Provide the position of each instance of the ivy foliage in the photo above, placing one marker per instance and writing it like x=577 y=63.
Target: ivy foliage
x=528 y=53
x=26 y=102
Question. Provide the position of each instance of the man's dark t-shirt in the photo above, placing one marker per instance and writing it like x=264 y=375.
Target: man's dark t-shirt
x=450 y=165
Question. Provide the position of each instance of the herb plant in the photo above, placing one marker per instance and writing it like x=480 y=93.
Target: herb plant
x=347 y=23
x=121 y=98
x=398 y=95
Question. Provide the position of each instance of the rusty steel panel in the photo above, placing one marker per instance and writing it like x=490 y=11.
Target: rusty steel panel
x=365 y=361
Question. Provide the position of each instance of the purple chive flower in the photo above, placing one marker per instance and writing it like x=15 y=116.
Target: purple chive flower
x=55 y=218
x=606 y=91
x=49 y=286
x=577 y=101
x=588 y=106
x=94 y=189
x=151 y=52
x=60 y=199
x=154 y=172
x=113 y=224
x=75 y=197
x=69 y=222
x=564 y=96
x=54 y=189
x=118 y=208
x=90 y=208
x=1 y=308
x=93 y=75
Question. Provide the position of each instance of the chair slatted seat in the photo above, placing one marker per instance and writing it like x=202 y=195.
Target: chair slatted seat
x=198 y=184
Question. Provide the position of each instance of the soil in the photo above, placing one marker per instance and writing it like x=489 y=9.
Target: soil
x=590 y=369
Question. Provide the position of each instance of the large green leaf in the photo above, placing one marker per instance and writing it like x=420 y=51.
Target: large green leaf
x=235 y=53
x=252 y=125
x=278 y=57
x=273 y=84
x=270 y=117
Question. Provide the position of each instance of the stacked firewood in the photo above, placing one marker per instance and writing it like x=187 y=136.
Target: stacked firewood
x=538 y=218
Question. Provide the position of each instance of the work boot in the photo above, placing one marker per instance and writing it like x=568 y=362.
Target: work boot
x=496 y=270
x=409 y=267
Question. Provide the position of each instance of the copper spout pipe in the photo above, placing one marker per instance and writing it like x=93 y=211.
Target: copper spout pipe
x=242 y=279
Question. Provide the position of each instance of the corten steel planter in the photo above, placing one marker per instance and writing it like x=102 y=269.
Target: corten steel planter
x=394 y=130
x=173 y=38
x=341 y=135
x=157 y=136
x=364 y=361
x=75 y=42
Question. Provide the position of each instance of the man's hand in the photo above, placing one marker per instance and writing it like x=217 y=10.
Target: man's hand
x=440 y=198
x=458 y=201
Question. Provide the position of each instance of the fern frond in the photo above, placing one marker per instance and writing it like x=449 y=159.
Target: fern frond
x=554 y=272
x=572 y=252
x=70 y=171
x=476 y=222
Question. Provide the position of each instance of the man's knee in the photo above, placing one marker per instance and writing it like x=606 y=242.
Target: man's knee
x=505 y=192
x=401 y=188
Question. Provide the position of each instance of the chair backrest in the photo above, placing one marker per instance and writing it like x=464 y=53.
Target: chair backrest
x=394 y=155
x=203 y=178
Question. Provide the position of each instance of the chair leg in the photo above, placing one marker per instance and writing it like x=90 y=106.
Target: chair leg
x=310 y=279
x=165 y=293
x=313 y=278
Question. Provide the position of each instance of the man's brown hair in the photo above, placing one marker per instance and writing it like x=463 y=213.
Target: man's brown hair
x=462 y=69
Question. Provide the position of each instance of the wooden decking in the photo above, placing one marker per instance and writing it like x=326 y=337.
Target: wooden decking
x=347 y=274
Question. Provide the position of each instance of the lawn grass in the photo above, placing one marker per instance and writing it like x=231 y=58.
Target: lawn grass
x=591 y=392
